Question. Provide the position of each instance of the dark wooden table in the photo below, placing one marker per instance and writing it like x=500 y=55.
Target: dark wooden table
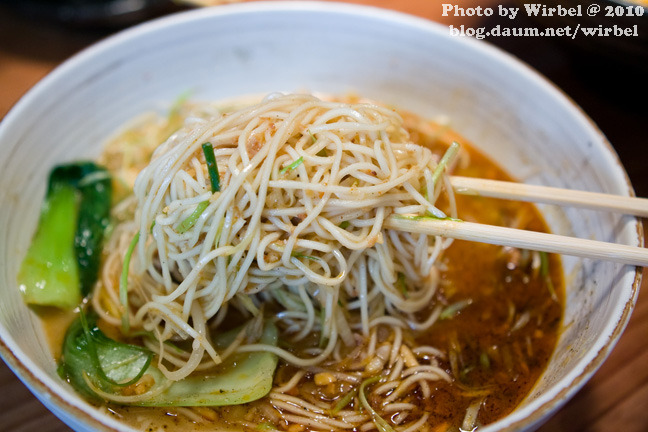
x=612 y=93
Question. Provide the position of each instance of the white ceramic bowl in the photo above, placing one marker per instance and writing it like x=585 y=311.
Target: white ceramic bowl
x=499 y=104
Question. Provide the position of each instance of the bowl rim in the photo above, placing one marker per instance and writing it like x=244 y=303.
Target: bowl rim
x=43 y=386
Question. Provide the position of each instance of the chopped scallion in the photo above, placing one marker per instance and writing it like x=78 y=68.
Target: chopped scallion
x=544 y=272
x=191 y=220
x=266 y=426
x=123 y=284
x=381 y=424
x=345 y=224
x=402 y=285
x=451 y=310
x=300 y=255
x=465 y=371
x=292 y=166
x=312 y=136
x=212 y=166
x=485 y=361
x=247 y=302
x=447 y=158
x=344 y=401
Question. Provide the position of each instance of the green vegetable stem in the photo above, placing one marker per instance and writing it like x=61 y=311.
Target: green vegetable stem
x=92 y=362
x=62 y=262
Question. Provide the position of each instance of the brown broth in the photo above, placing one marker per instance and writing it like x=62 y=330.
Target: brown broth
x=486 y=355
x=492 y=356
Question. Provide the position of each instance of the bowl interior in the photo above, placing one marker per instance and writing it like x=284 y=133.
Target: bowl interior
x=500 y=105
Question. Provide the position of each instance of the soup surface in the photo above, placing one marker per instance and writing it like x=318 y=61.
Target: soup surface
x=496 y=314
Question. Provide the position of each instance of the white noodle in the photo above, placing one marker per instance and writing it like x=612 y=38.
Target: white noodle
x=305 y=186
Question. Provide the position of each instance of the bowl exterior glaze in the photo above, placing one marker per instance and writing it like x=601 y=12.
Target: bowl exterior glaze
x=497 y=103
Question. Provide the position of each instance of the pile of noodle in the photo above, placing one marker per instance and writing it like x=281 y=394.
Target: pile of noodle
x=305 y=188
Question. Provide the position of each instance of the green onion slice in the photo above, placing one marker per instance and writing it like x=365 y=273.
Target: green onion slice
x=292 y=166
x=266 y=426
x=313 y=139
x=344 y=401
x=447 y=158
x=191 y=220
x=301 y=255
x=123 y=284
x=544 y=272
x=381 y=423
x=212 y=167
x=451 y=310
x=401 y=284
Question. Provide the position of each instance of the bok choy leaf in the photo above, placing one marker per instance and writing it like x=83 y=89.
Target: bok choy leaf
x=63 y=260
x=106 y=363
x=90 y=356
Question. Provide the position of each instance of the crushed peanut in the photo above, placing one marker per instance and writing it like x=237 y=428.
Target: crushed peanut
x=324 y=378
x=140 y=387
x=206 y=413
x=408 y=356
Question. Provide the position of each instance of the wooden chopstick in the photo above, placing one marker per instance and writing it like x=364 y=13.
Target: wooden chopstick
x=532 y=240
x=549 y=195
